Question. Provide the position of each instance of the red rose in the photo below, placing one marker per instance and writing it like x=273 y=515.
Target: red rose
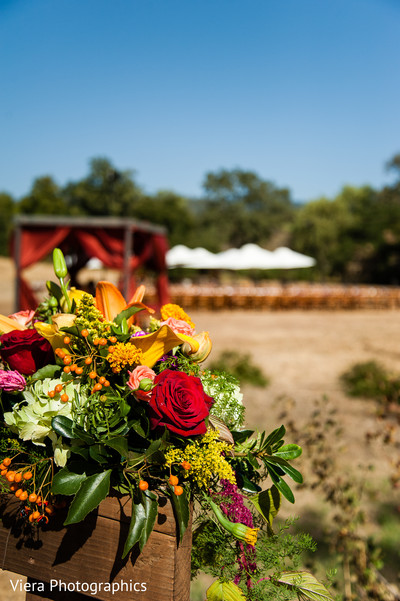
x=25 y=351
x=179 y=403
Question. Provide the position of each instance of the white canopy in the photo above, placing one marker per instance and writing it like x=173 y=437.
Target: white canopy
x=183 y=256
x=286 y=258
x=249 y=256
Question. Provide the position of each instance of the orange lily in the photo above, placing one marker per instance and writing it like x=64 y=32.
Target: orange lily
x=110 y=301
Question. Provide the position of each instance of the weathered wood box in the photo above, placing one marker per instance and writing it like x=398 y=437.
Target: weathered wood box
x=83 y=561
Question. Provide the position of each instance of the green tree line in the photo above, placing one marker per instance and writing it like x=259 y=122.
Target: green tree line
x=355 y=237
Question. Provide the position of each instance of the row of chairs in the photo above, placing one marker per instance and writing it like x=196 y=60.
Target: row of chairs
x=307 y=298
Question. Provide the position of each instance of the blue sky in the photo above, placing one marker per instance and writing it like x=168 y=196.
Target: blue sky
x=304 y=92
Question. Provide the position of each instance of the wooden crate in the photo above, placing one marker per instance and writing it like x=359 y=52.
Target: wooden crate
x=90 y=552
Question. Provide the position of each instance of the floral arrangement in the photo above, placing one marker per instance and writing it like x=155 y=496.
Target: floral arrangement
x=100 y=397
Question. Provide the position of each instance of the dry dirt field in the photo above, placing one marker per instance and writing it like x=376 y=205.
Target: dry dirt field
x=303 y=353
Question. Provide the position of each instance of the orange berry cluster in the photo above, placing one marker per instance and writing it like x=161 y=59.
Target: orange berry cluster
x=64 y=398
x=174 y=482
x=17 y=479
x=70 y=366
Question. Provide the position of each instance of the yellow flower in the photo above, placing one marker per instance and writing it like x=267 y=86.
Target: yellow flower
x=52 y=332
x=123 y=355
x=204 y=349
x=206 y=458
x=160 y=342
x=175 y=311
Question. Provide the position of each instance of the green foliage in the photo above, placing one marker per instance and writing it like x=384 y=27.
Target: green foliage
x=265 y=452
x=93 y=489
x=7 y=211
x=276 y=554
x=370 y=379
x=241 y=367
x=45 y=198
x=106 y=191
x=250 y=208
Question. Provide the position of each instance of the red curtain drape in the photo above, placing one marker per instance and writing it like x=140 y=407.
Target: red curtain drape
x=108 y=245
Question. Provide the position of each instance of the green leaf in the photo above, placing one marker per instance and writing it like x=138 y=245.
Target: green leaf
x=79 y=432
x=180 y=505
x=91 y=492
x=153 y=448
x=220 y=590
x=241 y=436
x=67 y=482
x=54 y=290
x=49 y=371
x=275 y=436
x=74 y=330
x=126 y=314
x=135 y=458
x=119 y=444
x=136 y=425
x=82 y=451
x=281 y=484
x=306 y=585
x=286 y=467
x=99 y=453
x=248 y=485
x=63 y=426
x=268 y=503
x=136 y=526
x=289 y=451
x=150 y=504
x=122 y=488
x=253 y=460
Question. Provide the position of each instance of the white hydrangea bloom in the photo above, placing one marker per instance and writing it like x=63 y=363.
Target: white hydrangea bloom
x=31 y=419
x=228 y=400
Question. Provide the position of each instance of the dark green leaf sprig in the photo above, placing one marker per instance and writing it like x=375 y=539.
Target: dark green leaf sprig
x=267 y=454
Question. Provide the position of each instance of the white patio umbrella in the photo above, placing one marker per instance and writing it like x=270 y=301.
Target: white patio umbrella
x=249 y=256
x=286 y=258
x=183 y=256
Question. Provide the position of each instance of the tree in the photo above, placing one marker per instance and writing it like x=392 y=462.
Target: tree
x=104 y=192
x=240 y=207
x=319 y=230
x=7 y=211
x=45 y=198
x=170 y=210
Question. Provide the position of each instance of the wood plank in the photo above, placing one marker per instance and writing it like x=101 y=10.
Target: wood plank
x=90 y=552
x=120 y=508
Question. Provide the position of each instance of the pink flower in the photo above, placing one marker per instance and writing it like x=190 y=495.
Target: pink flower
x=141 y=382
x=178 y=326
x=11 y=381
x=23 y=317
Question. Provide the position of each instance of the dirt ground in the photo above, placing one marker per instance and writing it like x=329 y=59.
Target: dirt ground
x=303 y=354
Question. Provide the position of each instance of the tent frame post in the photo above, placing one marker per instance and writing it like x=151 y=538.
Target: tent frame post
x=17 y=259
x=128 y=235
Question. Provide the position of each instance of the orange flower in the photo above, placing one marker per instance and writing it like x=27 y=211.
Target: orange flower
x=110 y=301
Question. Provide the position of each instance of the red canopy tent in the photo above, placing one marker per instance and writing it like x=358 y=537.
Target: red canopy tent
x=123 y=244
